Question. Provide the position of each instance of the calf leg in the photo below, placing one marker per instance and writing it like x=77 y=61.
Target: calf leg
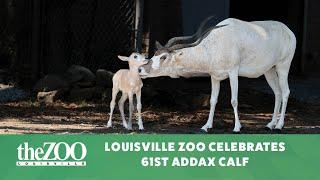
x=130 y=110
x=273 y=81
x=121 y=108
x=213 y=101
x=112 y=104
x=233 y=76
x=139 y=106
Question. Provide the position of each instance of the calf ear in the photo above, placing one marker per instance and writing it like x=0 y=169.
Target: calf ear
x=123 y=58
x=158 y=45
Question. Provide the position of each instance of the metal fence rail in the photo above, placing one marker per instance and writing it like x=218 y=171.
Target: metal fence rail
x=56 y=34
x=89 y=33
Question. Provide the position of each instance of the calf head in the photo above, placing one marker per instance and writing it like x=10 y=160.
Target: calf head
x=135 y=60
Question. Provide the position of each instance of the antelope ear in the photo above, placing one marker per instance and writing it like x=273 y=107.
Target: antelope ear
x=123 y=58
x=158 y=45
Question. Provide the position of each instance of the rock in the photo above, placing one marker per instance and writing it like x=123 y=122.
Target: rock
x=51 y=82
x=49 y=97
x=149 y=91
x=9 y=93
x=107 y=94
x=79 y=75
x=150 y=95
x=86 y=93
x=104 y=78
x=192 y=101
x=202 y=100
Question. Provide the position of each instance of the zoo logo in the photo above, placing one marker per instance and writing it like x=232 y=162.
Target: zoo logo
x=52 y=154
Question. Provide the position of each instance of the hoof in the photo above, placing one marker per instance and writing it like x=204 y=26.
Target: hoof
x=109 y=124
x=237 y=131
x=140 y=127
x=278 y=131
x=202 y=132
x=129 y=127
x=267 y=128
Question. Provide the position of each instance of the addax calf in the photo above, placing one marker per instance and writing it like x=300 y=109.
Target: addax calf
x=129 y=82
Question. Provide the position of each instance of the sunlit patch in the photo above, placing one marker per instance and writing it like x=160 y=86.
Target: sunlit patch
x=261 y=31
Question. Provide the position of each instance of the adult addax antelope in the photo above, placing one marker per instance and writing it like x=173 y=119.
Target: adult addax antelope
x=231 y=49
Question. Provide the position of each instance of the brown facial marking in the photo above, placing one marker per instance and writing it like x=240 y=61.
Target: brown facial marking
x=160 y=51
x=147 y=67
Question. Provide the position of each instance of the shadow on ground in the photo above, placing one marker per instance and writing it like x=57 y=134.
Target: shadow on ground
x=90 y=117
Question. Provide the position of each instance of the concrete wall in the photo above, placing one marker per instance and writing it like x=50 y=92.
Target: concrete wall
x=311 y=62
x=162 y=21
x=195 y=11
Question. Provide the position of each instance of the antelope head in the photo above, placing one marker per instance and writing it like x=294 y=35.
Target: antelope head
x=167 y=60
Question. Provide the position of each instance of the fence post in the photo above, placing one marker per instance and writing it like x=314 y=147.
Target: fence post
x=35 y=39
x=139 y=25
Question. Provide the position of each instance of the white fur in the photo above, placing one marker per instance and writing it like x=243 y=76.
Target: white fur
x=156 y=62
x=247 y=49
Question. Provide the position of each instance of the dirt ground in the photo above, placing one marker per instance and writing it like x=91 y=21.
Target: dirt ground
x=255 y=110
